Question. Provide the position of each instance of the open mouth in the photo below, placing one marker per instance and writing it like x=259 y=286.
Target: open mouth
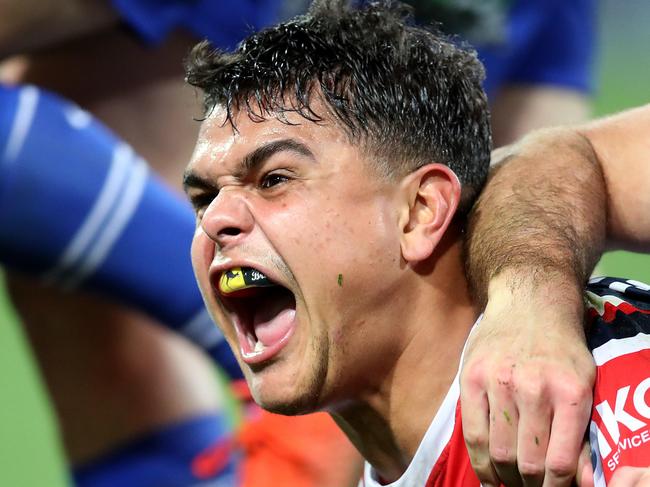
x=263 y=312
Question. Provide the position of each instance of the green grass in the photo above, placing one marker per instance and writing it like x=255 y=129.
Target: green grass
x=30 y=454
x=624 y=76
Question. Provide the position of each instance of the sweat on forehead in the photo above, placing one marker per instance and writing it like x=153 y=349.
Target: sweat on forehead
x=407 y=92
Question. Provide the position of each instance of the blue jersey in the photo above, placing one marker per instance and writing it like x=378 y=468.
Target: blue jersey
x=545 y=42
x=80 y=209
x=196 y=452
x=540 y=42
x=534 y=42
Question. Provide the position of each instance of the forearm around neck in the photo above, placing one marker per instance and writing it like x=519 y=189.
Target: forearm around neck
x=542 y=214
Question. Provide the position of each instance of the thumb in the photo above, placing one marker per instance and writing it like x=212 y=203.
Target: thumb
x=585 y=472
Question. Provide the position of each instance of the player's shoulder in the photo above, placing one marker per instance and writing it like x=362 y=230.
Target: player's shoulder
x=617 y=310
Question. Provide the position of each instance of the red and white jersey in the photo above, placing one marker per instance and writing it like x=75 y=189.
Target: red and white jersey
x=619 y=338
x=619 y=433
x=441 y=460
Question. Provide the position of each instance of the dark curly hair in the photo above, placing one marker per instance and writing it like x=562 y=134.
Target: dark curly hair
x=407 y=94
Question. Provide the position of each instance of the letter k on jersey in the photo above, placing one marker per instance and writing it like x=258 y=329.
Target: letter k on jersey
x=621 y=413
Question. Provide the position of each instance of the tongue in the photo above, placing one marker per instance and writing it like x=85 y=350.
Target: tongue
x=273 y=319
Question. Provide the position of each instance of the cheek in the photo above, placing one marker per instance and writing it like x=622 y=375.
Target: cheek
x=202 y=253
x=334 y=242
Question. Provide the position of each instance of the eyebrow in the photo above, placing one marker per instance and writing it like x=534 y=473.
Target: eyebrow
x=252 y=161
x=261 y=154
x=192 y=180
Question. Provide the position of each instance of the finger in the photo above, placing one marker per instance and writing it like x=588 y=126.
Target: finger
x=533 y=434
x=565 y=443
x=644 y=481
x=645 y=478
x=475 y=428
x=502 y=438
x=630 y=476
x=585 y=472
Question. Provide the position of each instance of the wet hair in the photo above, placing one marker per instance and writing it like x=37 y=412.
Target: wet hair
x=407 y=94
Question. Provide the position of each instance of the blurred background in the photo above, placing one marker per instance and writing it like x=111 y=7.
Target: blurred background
x=30 y=454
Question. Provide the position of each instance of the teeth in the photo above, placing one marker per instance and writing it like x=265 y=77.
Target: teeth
x=257 y=349
x=251 y=340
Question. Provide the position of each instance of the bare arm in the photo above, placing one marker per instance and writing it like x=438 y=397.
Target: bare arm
x=544 y=208
x=26 y=25
x=560 y=192
x=536 y=233
x=621 y=144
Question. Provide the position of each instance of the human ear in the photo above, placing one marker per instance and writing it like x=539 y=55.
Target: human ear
x=430 y=199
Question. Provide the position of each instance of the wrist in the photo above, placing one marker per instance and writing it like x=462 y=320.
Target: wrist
x=536 y=289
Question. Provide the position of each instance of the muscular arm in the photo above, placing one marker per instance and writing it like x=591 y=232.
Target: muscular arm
x=536 y=233
x=558 y=194
x=544 y=208
x=621 y=144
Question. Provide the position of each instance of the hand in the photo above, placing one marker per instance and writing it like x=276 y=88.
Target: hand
x=631 y=477
x=526 y=386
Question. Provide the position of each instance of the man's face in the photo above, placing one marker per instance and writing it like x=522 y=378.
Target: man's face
x=302 y=206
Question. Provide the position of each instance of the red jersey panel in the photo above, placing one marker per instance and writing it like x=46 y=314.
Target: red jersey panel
x=618 y=335
x=453 y=468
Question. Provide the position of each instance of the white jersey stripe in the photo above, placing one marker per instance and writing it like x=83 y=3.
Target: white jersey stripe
x=619 y=286
x=27 y=103
x=620 y=346
x=594 y=441
x=434 y=441
x=596 y=280
x=639 y=284
x=120 y=165
x=110 y=233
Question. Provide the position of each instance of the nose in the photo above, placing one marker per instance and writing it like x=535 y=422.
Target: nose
x=227 y=220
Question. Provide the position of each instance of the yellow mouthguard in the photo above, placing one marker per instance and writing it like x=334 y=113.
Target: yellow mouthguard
x=232 y=280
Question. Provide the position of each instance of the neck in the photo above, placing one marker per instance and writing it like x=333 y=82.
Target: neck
x=388 y=424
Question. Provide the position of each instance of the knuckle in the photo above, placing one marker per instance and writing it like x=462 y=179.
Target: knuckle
x=532 y=390
x=574 y=393
x=503 y=377
x=502 y=455
x=476 y=441
x=561 y=466
x=473 y=375
x=531 y=468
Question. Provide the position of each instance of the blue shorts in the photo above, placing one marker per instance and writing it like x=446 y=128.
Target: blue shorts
x=194 y=453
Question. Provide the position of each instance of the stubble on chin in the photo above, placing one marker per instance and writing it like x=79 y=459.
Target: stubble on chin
x=306 y=396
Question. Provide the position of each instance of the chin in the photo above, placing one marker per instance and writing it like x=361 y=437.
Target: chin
x=285 y=404
x=289 y=398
